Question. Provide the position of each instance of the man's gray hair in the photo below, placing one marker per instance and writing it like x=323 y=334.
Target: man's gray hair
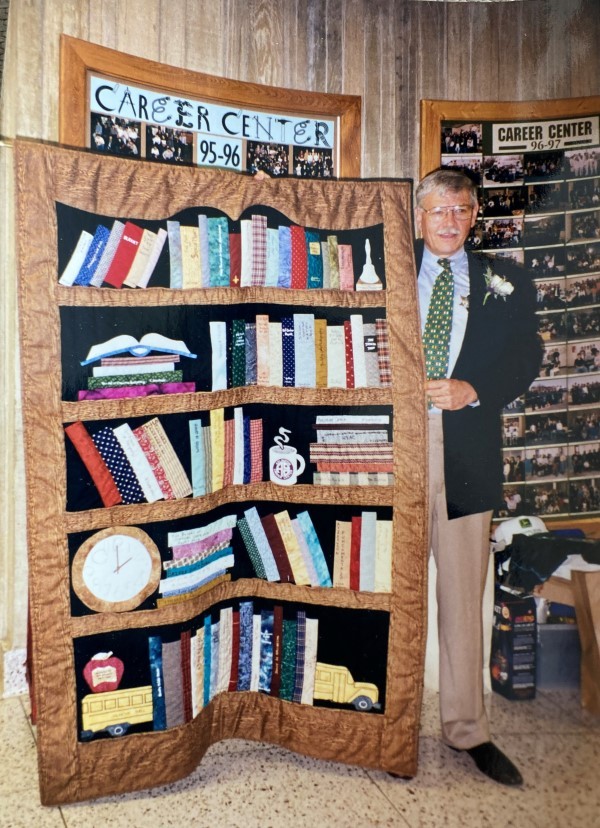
x=446 y=181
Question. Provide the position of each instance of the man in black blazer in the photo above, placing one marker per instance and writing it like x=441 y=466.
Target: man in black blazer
x=495 y=353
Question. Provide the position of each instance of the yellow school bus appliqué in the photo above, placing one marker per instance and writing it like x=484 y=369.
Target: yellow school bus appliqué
x=115 y=711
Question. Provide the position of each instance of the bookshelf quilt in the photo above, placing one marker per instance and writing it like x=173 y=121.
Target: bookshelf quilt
x=225 y=443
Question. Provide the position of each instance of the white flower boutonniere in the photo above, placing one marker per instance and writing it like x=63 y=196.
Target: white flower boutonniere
x=496 y=285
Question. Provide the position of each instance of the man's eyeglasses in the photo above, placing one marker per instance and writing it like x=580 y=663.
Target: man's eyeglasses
x=459 y=211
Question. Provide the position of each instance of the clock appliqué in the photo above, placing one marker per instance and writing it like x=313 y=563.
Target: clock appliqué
x=116 y=569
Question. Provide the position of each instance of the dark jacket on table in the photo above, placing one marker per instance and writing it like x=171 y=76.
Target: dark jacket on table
x=500 y=357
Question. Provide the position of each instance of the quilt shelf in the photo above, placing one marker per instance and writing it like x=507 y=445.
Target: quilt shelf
x=225 y=468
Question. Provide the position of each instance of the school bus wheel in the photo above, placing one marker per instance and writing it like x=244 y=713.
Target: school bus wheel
x=118 y=729
x=363 y=703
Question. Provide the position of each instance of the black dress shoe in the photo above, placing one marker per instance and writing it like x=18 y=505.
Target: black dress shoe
x=491 y=761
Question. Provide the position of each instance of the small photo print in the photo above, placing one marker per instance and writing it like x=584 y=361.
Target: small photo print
x=513 y=431
x=471 y=165
x=546 y=395
x=506 y=201
x=513 y=466
x=502 y=169
x=554 y=360
x=584 y=389
x=116 y=136
x=584 y=424
x=583 y=323
x=460 y=138
x=546 y=198
x=313 y=162
x=503 y=232
x=552 y=326
x=584 y=495
x=516 y=256
x=545 y=262
x=582 y=290
x=546 y=428
x=584 y=258
x=582 y=163
x=542 y=230
x=273 y=159
x=551 y=498
x=583 y=194
x=546 y=462
x=169 y=145
x=584 y=357
x=550 y=295
x=515 y=501
x=584 y=459
x=583 y=226
x=543 y=166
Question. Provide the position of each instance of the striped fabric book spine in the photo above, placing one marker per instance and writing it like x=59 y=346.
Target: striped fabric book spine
x=238 y=353
x=159 y=712
x=252 y=548
x=311 y=638
x=262 y=349
x=153 y=258
x=217 y=442
x=263 y=546
x=277 y=649
x=114 y=238
x=321 y=353
x=250 y=337
x=235 y=650
x=76 y=260
x=168 y=458
x=314 y=262
x=383 y=353
x=174 y=236
x=383 y=556
x=315 y=549
x=143 y=438
x=277 y=546
x=288 y=352
x=275 y=355
x=346 y=267
x=218 y=251
x=288 y=659
x=304 y=351
x=349 y=354
x=355 y=531
x=190 y=257
x=358 y=350
x=141 y=259
x=246 y=252
x=186 y=674
x=299 y=257
x=93 y=256
x=229 y=452
x=256 y=446
x=367 y=551
x=204 y=251
x=300 y=647
x=198 y=663
x=292 y=548
x=245 y=658
x=235 y=259
x=97 y=469
x=259 y=250
x=341 y=555
x=334 y=262
x=124 y=255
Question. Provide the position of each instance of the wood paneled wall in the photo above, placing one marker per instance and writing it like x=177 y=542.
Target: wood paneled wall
x=391 y=52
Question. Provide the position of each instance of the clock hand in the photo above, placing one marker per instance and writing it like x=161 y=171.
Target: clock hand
x=122 y=565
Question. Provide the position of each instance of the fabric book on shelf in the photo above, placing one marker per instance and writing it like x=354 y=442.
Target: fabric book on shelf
x=218 y=252
x=304 y=351
x=116 y=231
x=141 y=259
x=175 y=263
x=124 y=255
x=93 y=256
x=190 y=257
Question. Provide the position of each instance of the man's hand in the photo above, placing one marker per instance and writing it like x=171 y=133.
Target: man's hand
x=450 y=394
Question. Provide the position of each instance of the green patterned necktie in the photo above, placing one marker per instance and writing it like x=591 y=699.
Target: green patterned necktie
x=436 y=336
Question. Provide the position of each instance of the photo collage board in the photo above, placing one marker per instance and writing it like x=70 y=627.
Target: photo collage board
x=539 y=204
